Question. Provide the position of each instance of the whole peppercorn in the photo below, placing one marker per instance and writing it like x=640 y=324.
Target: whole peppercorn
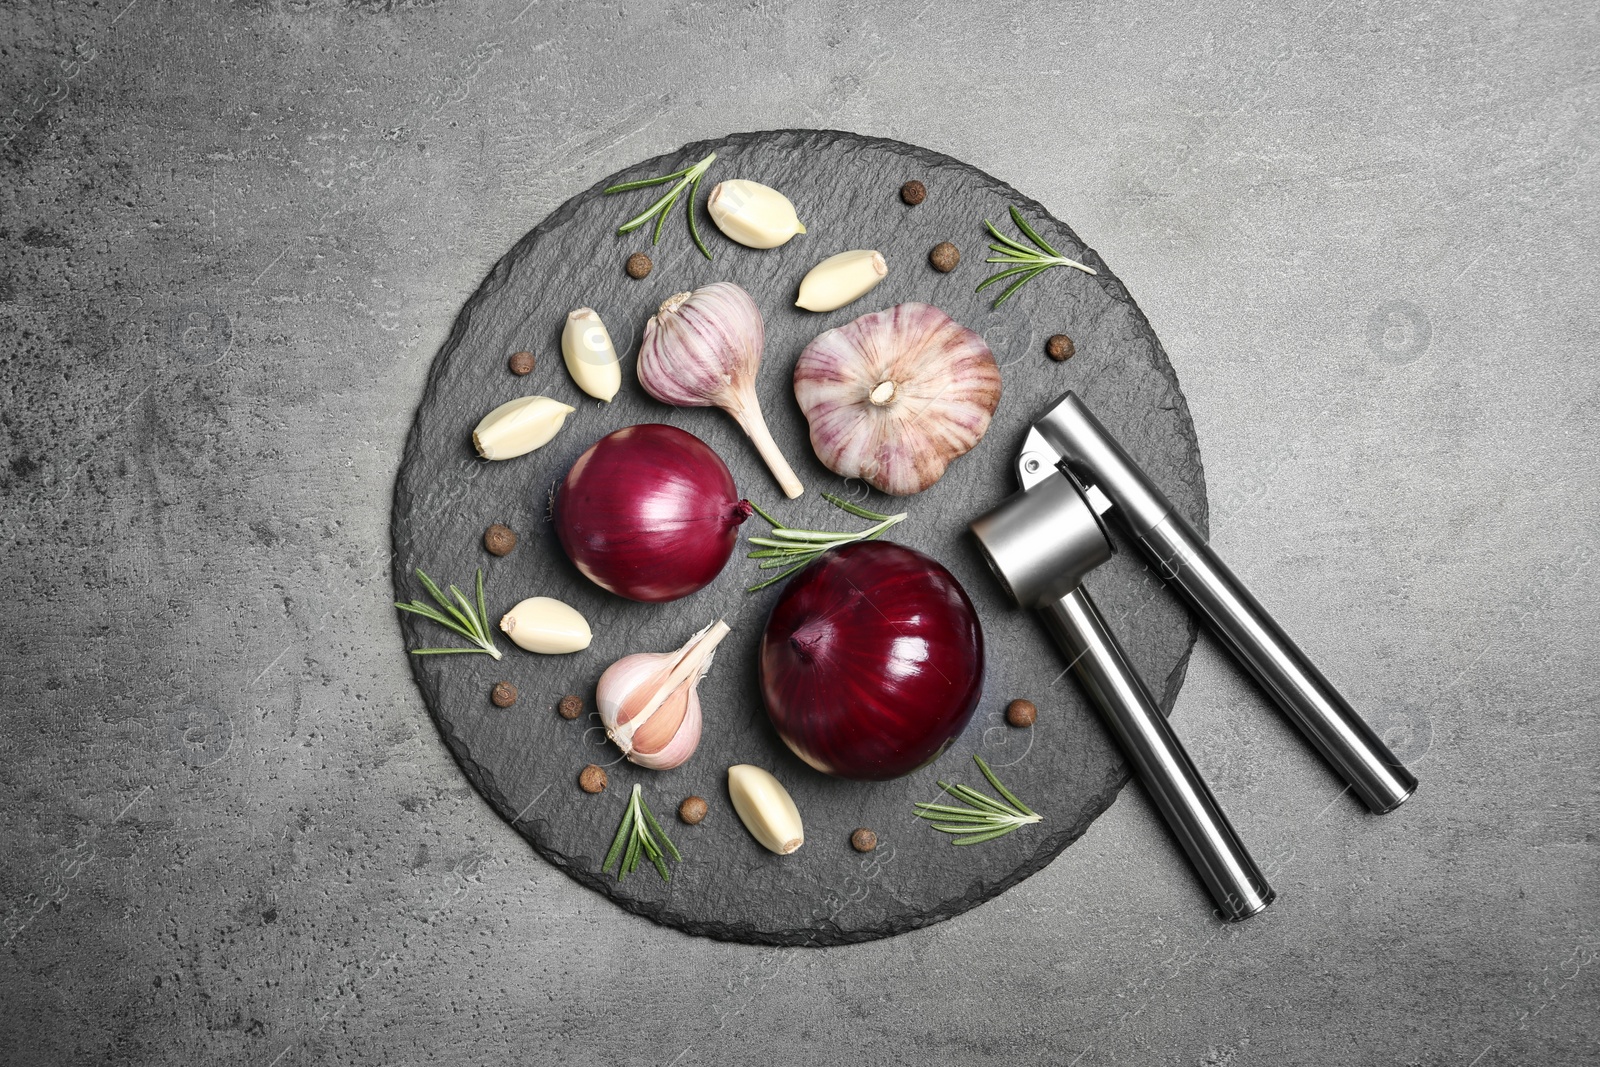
x=692 y=810
x=863 y=840
x=503 y=695
x=1021 y=713
x=570 y=707
x=499 y=539
x=1059 y=348
x=944 y=257
x=522 y=363
x=913 y=192
x=592 y=779
x=638 y=265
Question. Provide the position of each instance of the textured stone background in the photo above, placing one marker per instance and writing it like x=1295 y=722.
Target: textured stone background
x=233 y=241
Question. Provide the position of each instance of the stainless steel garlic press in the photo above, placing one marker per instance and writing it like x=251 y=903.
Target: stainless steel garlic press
x=1044 y=540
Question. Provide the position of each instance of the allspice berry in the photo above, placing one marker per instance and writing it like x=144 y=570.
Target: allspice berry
x=913 y=192
x=570 y=707
x=503 y=695
x=692 y=810
x=638 y=265
x=522 y=363
x=944 y=257
x=863 y=840
x=1021 y=713
x=1059 y=348
x=499 y=539
x=592 y=779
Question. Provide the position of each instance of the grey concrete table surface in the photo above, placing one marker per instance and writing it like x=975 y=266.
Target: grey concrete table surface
x=233 y=240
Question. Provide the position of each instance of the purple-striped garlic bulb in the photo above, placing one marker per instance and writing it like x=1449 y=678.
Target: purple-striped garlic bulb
x=895 y=396
x=649 y=703
x=702 y=349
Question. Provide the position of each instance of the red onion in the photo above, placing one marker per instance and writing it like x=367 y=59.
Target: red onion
x=872 y=661
x=649 y=513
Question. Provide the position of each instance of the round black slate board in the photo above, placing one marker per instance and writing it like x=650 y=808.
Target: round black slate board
x=525 y=760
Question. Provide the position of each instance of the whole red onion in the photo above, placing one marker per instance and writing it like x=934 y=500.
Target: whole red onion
x=649 y=512
x=872 y=661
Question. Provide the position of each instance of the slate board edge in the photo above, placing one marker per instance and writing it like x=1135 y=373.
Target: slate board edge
x=483 y=782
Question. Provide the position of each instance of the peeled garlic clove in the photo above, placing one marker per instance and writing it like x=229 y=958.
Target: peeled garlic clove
x=766 y=809
x=702 y=349
x=543 y=624
x=591 y=359
x=839 y=279
x=649 y=704
x=518 y=427
x=895 y=396
x=753 y=214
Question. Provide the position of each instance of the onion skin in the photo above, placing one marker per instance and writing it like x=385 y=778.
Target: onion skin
x=872 y=661
x=649 y=512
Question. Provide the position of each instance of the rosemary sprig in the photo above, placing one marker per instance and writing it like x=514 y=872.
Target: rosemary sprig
x=637 y=836
x=983 y=818
x=793 y=549
x=687 y=178
x=1030 y=262
x=463 y=617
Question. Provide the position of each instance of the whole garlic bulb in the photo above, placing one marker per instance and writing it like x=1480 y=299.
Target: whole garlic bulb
x=895 y=396
x=703 y=349
x=649 y=704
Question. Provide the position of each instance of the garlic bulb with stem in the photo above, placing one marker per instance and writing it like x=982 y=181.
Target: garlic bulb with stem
x=895 y=396
x=703 y=349
x=648 y=701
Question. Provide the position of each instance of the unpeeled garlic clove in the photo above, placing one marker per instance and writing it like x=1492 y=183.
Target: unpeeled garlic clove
x=519 y=426
x=755 y=215
x=591 y=358
x=543 y=624
x=838 y=280
x=649 y=702
x=766 y=809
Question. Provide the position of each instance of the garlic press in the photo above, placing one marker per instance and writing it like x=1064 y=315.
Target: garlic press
x=1045 y=540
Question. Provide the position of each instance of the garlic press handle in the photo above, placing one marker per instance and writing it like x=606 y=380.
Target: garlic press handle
x=1158 y=757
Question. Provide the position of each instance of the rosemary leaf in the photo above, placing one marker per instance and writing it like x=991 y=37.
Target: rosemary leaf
x=1002 y=790
x=655 y=828
x=642 y=183
x=694 y=229
x=483 y=612
x=624 y=832
x=1022 y=224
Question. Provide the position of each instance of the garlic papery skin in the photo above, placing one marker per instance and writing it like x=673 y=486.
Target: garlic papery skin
x=546 y=625
x=838 y=280
x=648 y=702
x=766 y=809
x=591 y=359
x=703 y=349
x=895 y=396
x=519 y=426
x=755 y=215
